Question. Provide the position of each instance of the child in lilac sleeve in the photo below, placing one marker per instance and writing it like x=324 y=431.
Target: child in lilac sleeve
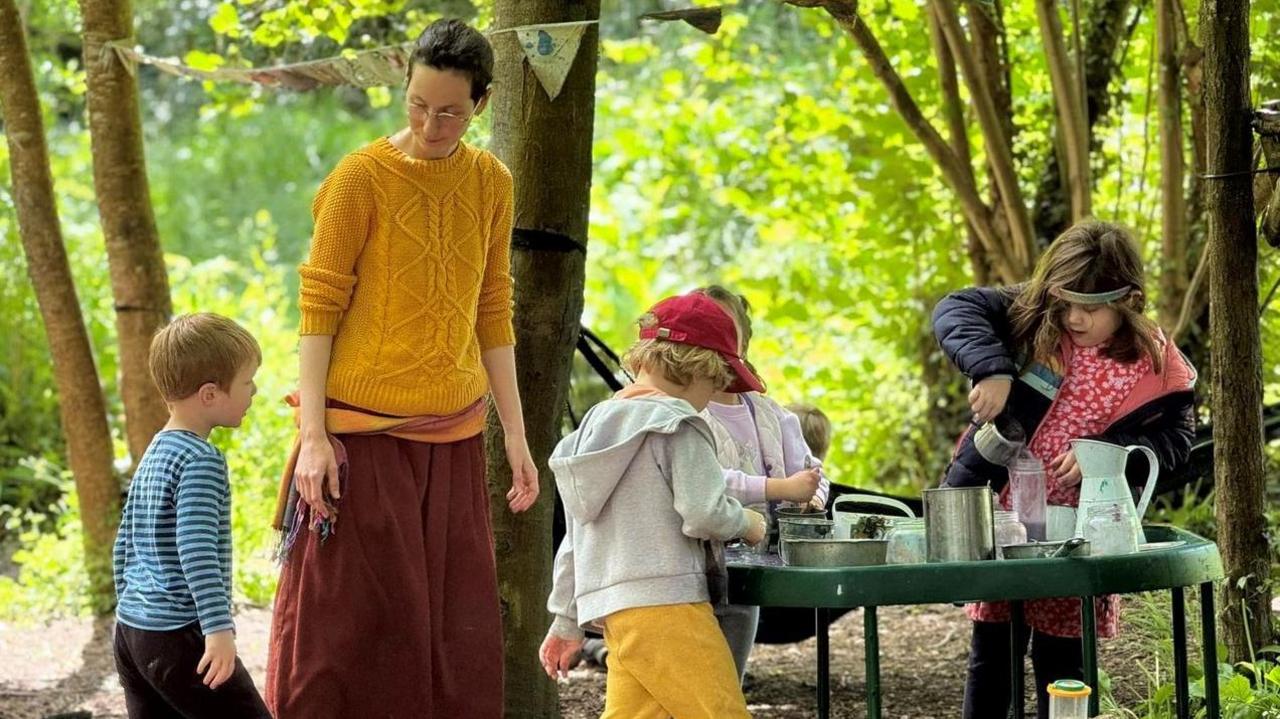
x=765 y=460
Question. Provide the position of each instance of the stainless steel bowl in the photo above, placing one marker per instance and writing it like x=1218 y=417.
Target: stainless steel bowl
x=803 y=512
x=1043 y=550
x=833 y=552
x=804 y=528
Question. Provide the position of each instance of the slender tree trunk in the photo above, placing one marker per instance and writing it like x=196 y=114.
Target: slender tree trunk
x=1072 y=125
x=1173 y=270
x=958 y=134
x=1106 y=27
x=81 y=406
x=547 y=146
x=139 y=283
x=1022 y=247
x=990 y=46
x=1192 y=330
x=1233 y=312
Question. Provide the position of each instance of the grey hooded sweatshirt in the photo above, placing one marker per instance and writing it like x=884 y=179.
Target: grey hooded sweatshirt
x=642 y=489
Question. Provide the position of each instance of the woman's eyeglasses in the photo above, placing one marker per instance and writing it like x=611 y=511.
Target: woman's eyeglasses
x=447 y=119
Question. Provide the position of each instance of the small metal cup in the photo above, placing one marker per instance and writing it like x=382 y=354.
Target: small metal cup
x=1000 y=440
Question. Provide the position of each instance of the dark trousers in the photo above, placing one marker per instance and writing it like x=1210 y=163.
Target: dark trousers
x=158 y=673
x=987 y=692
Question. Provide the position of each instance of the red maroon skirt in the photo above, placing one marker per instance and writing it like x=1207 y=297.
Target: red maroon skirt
x=396 y=614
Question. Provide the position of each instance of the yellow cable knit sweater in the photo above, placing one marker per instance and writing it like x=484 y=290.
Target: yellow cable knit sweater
x=410 y=271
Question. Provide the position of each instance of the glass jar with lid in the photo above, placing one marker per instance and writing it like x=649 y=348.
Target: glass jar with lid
x=906 y=538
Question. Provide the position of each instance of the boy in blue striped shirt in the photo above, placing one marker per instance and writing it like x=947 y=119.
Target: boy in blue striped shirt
x=175 y=644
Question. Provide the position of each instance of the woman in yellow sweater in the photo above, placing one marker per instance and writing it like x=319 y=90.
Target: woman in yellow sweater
x=388 y=600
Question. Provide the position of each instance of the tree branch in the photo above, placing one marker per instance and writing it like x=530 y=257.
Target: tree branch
x=1192 y=300
x=958 y=130
x=971 y=205
x=1173 y=276
x=1071 y=119
x=1002 y=168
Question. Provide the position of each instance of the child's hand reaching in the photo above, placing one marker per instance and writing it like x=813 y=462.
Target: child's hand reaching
x=1065 y=469
x=557 y=655
x=988 y=397
x=756 y=527
x=219 y=660
x=799 y=487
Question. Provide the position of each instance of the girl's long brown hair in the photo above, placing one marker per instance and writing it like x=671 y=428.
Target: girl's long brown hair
x=1092 y=256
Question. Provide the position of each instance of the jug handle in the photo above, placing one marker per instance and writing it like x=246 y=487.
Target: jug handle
x=872 y=499
x=1149 y=488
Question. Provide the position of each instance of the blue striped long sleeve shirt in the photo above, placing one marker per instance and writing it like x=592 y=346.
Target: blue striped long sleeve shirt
x=172 y=557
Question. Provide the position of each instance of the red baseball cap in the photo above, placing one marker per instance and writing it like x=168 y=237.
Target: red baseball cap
x=696 y=319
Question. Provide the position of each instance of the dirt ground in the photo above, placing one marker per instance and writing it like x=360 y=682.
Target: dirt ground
x=64 y=669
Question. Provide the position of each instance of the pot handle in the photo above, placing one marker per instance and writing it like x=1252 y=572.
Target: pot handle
x=872 y=499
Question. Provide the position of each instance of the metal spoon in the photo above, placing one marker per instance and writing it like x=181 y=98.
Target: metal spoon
x=1068 y=547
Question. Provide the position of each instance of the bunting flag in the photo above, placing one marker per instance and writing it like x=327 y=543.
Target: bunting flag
x=706 y=19
x=366 y=68
x=550 y=49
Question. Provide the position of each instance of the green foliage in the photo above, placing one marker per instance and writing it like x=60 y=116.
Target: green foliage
x=765 y=157
x=50 y=578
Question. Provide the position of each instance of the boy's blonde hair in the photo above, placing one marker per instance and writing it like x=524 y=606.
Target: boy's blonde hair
x=199 y=348
x=815 y=427
x=679 y=363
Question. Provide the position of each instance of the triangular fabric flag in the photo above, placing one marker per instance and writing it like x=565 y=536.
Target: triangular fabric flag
x=705 y=19
x=551 y=50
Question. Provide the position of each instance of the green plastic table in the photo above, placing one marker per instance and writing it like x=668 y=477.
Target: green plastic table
x=764 y=581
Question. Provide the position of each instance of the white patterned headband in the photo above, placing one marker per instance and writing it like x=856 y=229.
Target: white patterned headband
x=1092 y=298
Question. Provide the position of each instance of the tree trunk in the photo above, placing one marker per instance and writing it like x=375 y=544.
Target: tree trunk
x=1022 y=247
x=1192 y=331
x=1233 y=311
x=1105 y=28
x=1173 y=269
x=139 y=284
x=990 y=45
x=81 y=406
x=547 y=146
x=1072 y=126
x=958 y=134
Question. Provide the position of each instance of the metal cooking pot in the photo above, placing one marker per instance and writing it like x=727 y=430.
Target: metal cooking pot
x=833 y=552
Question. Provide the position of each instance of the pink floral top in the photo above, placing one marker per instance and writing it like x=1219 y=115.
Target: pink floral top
x=1093 y=388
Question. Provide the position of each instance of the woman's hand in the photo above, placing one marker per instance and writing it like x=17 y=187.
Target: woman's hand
x=317 y=469
x=524 y=474
x=988 y=397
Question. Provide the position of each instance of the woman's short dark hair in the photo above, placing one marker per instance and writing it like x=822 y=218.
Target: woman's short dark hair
x=452 y=44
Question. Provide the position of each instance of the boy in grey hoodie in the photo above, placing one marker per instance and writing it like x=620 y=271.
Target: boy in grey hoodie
x=643 y=494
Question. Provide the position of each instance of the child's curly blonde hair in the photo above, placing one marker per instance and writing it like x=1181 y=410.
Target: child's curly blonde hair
x=679 y=363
